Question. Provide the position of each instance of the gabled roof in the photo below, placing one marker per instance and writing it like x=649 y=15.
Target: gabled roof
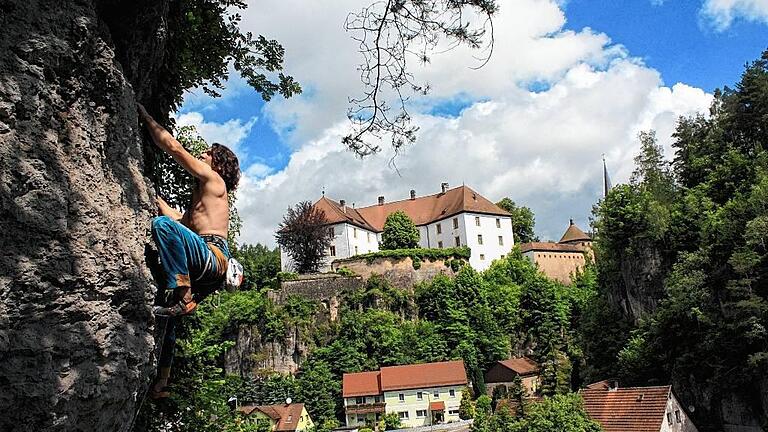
x=336 y=213
x=574 y=233
x=631 y=409
x=431 y=208
x=521 y=365
x=405 y=377
x=361 y=384
x=550 y=247
x=423 y=375
x=286 y=416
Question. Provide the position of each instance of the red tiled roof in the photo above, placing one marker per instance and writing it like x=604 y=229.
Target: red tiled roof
x=287 y=416
x=404 y=377
x=550 y=247
x=335 y=213
x=361 y=384
x=437 y=406
x=423 y=375
x=631 y=409
x=521 y=365
x=574 y=233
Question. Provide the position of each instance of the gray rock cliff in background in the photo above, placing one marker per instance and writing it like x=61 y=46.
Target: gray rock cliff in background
x=75 y=322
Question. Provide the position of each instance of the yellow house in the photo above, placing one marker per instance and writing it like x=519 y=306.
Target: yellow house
x=420 y=394
x=281 y=418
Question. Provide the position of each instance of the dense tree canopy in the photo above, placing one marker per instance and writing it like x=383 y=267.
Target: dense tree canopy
x=523 y=221
x=304 y=235
x=399 y=232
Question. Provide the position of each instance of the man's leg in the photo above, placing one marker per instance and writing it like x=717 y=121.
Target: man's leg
x=165 y=361
x=180 y=250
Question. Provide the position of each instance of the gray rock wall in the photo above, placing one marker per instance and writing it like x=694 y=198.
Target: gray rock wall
x=75 y=323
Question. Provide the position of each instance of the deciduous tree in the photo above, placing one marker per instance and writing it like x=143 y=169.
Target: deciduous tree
x=304 y=236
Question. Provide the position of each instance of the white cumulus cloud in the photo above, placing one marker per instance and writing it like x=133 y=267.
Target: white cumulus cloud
x=543 y=149
x=230 y=133
x=722 y=13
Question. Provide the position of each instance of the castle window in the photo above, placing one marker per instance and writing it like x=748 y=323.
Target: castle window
x=501 y=240
x=439 y=229
x=333 y=250
x=480 y=239
x=482 y=257
x=440 y=244
x=354 y=232
x=331 y=232
x=677 y=416
x=455 y=223
x=355 y=250
x=369 y=237
x=498 y=223
x=477 y=221
x=458 y=241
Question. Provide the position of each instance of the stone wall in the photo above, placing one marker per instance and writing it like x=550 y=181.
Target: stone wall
x=398 y=271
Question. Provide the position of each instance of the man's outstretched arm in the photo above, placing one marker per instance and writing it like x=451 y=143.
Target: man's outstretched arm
x=168 y=144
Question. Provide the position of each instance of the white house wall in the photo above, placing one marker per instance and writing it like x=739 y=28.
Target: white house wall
x=484 y=254
x=684 y=424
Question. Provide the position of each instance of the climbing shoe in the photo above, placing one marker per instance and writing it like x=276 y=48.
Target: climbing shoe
x=177 y=309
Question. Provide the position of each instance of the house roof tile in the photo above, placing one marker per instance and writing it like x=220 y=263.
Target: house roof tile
x=286 y=416
x=574 y=234
x=521 y=365
x=631 y=409
x=404 y=377
x=361 y=384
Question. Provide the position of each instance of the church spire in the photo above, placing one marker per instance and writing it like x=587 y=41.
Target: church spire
x=606 y=179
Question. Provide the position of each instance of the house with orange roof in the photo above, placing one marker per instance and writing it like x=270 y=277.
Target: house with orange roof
x=451 y=218
x=562 y=259
x=421 y=394
x=288 y=417
x=636 y=409
x=503 y=374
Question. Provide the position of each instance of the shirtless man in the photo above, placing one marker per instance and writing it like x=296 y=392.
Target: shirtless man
x=193 y=246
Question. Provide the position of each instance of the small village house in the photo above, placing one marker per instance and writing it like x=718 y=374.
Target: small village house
x=503 y=374
x=635 y=409
x=421 y=394
x=451 y=218
x=288 y=417
x=562 y=259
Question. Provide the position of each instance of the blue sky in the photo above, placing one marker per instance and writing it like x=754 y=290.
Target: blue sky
x=570 y=80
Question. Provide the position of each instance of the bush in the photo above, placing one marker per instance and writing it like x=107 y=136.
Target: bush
x=344 y=271
x=287 y=276
x=459 y=253
x=416 y=262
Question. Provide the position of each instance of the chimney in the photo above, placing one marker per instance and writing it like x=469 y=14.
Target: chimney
x=381 y=200
x=343 y=204
x=571 y=221
x=413 y=194
x=444 y=187
x=613 y=385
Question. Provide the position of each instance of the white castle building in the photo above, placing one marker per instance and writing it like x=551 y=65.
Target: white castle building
x=453 y=217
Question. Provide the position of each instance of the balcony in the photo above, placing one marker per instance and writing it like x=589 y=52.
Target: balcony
x=366 y=408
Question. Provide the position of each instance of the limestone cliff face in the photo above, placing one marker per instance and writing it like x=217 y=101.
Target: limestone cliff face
x=75 y=322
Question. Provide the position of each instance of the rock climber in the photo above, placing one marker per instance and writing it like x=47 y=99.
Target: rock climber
x=192 y=246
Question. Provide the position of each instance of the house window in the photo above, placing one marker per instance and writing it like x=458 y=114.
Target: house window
x=419 y=395
x=354 y=232
x=452 y=392
x=331 y=232
x=421 y=413
x=360 y=400
x=440 y=244
x=439 y=229
x=677 y=416
x=479 y=239
x=403 y=415
x=453 y=412
x=333 y=250
x=477 y=221
x=436 y=394
x=501 y=240
x=377 y=399
x=482 y=257
x=401 y=396
x=458 y=241
x=355 y=250
x=669 y=418
x=361 y=419
x=498 y=223
x=455 y=223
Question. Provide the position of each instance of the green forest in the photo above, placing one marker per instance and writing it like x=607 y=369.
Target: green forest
x=677 y=294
